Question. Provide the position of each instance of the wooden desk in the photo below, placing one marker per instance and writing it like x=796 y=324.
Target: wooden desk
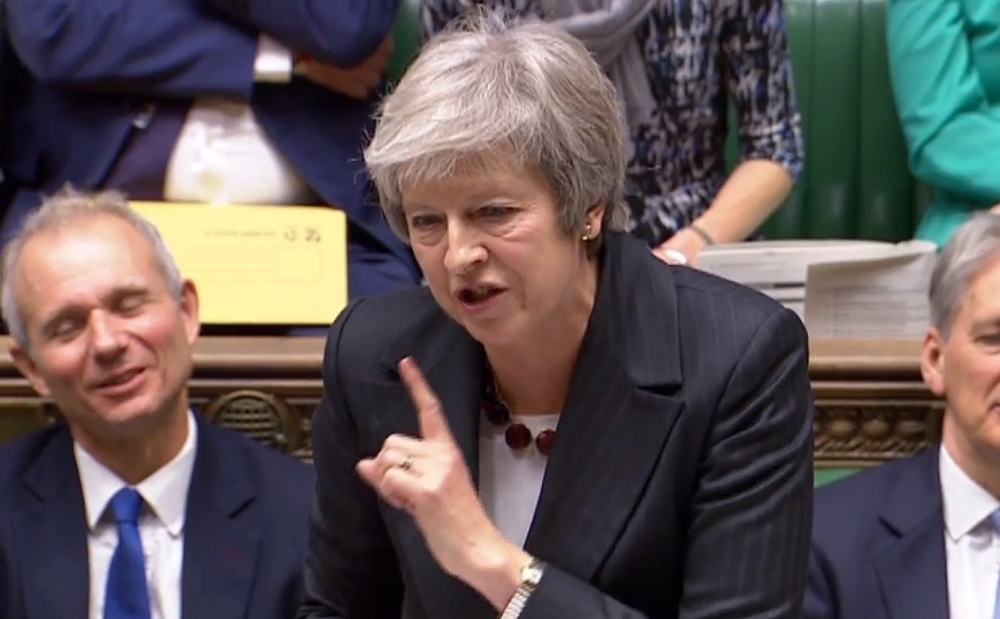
x=872 y=405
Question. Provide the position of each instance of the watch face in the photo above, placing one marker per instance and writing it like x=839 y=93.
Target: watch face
x=533 y=572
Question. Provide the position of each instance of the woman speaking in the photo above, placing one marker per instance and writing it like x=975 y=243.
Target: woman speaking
x=560 y=425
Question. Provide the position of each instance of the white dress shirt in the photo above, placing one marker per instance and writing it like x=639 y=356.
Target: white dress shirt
x=223 y=156
x=510 y=482
x=972 y=546
x=161 y=526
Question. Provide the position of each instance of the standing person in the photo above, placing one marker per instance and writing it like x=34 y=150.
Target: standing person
x=560 y=425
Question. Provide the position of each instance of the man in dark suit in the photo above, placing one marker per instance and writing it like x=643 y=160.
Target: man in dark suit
x=135 y=507
x=917 y=538
x=250 y=101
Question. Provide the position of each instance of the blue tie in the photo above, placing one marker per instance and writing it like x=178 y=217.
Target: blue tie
x=995 y=517
x=127 y=595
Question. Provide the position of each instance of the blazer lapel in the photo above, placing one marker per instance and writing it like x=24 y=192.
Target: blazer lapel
x=220 y=554
x=618 y=416
x=452 y=362
x=912 y=568
x=51 y=536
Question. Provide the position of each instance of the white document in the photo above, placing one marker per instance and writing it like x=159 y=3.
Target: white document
x=776 y=264
x=878 y=295
x=859 y=290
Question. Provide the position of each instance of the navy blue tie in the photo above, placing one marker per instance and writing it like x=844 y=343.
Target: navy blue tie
x=996 y=524
x=127 y=595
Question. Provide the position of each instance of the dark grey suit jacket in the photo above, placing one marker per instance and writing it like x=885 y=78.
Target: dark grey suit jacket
x=680 y=485
x=878 y=549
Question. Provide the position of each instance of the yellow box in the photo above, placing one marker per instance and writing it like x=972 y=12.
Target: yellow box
x=259 y=265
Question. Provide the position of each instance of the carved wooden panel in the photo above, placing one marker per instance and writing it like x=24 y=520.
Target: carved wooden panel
x=871 y=403
x=863 y=433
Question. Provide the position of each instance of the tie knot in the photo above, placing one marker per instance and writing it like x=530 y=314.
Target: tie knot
x=125 y=506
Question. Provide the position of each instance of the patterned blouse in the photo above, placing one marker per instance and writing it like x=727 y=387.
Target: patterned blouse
x=699 y=54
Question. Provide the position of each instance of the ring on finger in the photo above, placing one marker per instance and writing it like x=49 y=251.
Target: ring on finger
x=406 y=464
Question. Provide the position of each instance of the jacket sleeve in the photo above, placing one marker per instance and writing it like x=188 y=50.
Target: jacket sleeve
x=748 y=540
x=951 y=128
x=820 y=602
x=351 y=569
x=759 y=78
x=339 y=32
x=168 y=48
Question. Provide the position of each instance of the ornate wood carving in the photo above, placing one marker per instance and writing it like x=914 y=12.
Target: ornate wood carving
x=871 y=403
x=853 y=434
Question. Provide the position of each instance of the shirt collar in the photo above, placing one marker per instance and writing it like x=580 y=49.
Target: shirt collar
x=966 y=503
x=165 y=491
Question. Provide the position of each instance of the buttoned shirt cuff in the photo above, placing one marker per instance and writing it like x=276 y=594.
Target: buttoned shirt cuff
x=274 y=61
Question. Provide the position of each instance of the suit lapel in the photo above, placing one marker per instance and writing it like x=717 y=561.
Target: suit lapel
x=618 y=416
x=51 y=536
x=452 y=363
x=609 y=439
x=220 y=554
x=912 y=567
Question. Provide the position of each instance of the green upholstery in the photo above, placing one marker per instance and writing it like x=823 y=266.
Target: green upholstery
x=406 y=38
x=822 y=477
x=856 y=183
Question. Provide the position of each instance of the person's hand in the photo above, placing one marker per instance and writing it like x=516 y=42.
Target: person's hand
x=995 y=208
x=429 y=479
x=685 y=243
x=357 y=82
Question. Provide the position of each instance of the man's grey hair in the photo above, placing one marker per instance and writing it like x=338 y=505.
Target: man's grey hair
x=492 y=92
x=63 y=209
x=974 y=247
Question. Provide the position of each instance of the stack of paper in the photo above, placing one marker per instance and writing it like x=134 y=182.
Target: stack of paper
x=840 y=289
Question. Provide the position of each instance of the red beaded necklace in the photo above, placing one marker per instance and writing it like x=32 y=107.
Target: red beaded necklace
x=516 y=435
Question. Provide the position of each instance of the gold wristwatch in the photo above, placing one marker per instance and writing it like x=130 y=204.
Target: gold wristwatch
x=531 y=574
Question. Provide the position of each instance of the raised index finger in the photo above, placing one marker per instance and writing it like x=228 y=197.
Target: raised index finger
x=433 y=423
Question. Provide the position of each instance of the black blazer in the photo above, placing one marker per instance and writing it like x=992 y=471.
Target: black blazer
x=680 y=486
x=245 y=531
x=878 y=545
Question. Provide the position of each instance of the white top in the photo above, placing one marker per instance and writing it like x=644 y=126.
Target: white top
x=510 y=481
x=161 y=525
x=972 y=546
x=223 y=156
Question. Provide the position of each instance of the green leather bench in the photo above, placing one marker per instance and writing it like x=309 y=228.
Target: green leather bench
x=406 y=37
x=856 y=182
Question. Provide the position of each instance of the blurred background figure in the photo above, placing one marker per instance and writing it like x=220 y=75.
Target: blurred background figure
x=944 y=57
x=215 y=101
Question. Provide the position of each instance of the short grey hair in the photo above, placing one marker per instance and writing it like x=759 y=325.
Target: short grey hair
x=974 y=247
x=62 y=209
x=489 y=90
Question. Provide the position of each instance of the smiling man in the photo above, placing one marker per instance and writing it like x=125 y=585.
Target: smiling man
x=134 y=508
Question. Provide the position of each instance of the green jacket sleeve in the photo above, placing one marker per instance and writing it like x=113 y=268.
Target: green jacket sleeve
x=951 y=128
